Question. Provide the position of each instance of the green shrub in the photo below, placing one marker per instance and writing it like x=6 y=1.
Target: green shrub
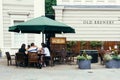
x=84 y=56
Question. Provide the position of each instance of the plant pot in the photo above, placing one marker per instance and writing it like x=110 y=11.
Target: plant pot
x=118 y=63
x=84 y=64
x=111 y=64
x=0 y=54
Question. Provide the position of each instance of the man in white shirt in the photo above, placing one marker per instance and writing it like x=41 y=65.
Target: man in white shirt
x=33 y=48
x=46 y=51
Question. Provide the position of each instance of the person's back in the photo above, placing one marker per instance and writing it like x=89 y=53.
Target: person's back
x=46 y=51
x=33 y=48
x=22 y=49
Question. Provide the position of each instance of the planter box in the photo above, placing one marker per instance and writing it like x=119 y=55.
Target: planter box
x=84 y=64
x=0 y=54
x=111 y=64
x=93 y=53
x=118 y=63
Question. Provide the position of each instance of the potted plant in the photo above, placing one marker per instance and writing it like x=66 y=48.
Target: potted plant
x=112 y=59
x=118 y=57
x=109 y=61
x=84 y=61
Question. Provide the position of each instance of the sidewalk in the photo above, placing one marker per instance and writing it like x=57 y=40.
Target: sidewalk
x=57 y=72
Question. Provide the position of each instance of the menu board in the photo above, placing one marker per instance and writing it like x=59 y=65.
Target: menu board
x=58 y=40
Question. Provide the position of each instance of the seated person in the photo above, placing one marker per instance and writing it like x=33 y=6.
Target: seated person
x=22 y=50
x=33 y=48
x=28 y=46
x=46 y=51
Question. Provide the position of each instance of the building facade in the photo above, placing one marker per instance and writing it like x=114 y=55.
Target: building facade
x=14 y=12
x=93 y=20
x=88 y=2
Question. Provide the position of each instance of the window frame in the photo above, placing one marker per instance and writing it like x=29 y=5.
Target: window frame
x=17 y=18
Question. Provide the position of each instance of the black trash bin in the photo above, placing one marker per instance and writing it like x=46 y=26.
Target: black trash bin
x=93 y=53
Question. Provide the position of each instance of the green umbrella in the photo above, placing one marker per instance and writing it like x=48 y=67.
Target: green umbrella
x=41 y=24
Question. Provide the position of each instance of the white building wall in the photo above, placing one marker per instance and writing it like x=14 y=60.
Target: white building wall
x=88 y=2
x=1 y=26
x=39 y=10
x=20 y=9
x=90 y=24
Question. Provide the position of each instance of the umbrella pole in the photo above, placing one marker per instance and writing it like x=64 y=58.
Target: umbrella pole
x=42 y=37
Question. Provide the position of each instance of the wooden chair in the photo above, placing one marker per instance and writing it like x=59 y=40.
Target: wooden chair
x=70 y=57
x=10 y=58
x=52 y=59
x=58 y=56
x=34 y=58
x=55 y=56
x=20 y=59
x=63 y=55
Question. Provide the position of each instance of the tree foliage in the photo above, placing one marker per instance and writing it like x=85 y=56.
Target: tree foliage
x=48 y=6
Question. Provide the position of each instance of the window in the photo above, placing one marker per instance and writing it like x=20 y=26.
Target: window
x=18 y=38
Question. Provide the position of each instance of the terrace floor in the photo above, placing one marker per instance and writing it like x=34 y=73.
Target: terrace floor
x=57 y=72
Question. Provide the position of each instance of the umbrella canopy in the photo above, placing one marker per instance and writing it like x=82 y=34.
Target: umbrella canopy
x=41 y=24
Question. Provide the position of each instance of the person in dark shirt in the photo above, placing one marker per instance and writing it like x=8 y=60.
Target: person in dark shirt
x=22 y=50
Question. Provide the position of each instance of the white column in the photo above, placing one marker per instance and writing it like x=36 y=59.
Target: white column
x=58 y=13
x=39 y=10
x=59 y=2
x=1 y=25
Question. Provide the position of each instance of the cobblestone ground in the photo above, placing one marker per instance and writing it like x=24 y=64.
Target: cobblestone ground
x=57 y=72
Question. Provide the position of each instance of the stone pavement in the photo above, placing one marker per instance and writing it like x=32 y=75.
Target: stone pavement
x=58 y=72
